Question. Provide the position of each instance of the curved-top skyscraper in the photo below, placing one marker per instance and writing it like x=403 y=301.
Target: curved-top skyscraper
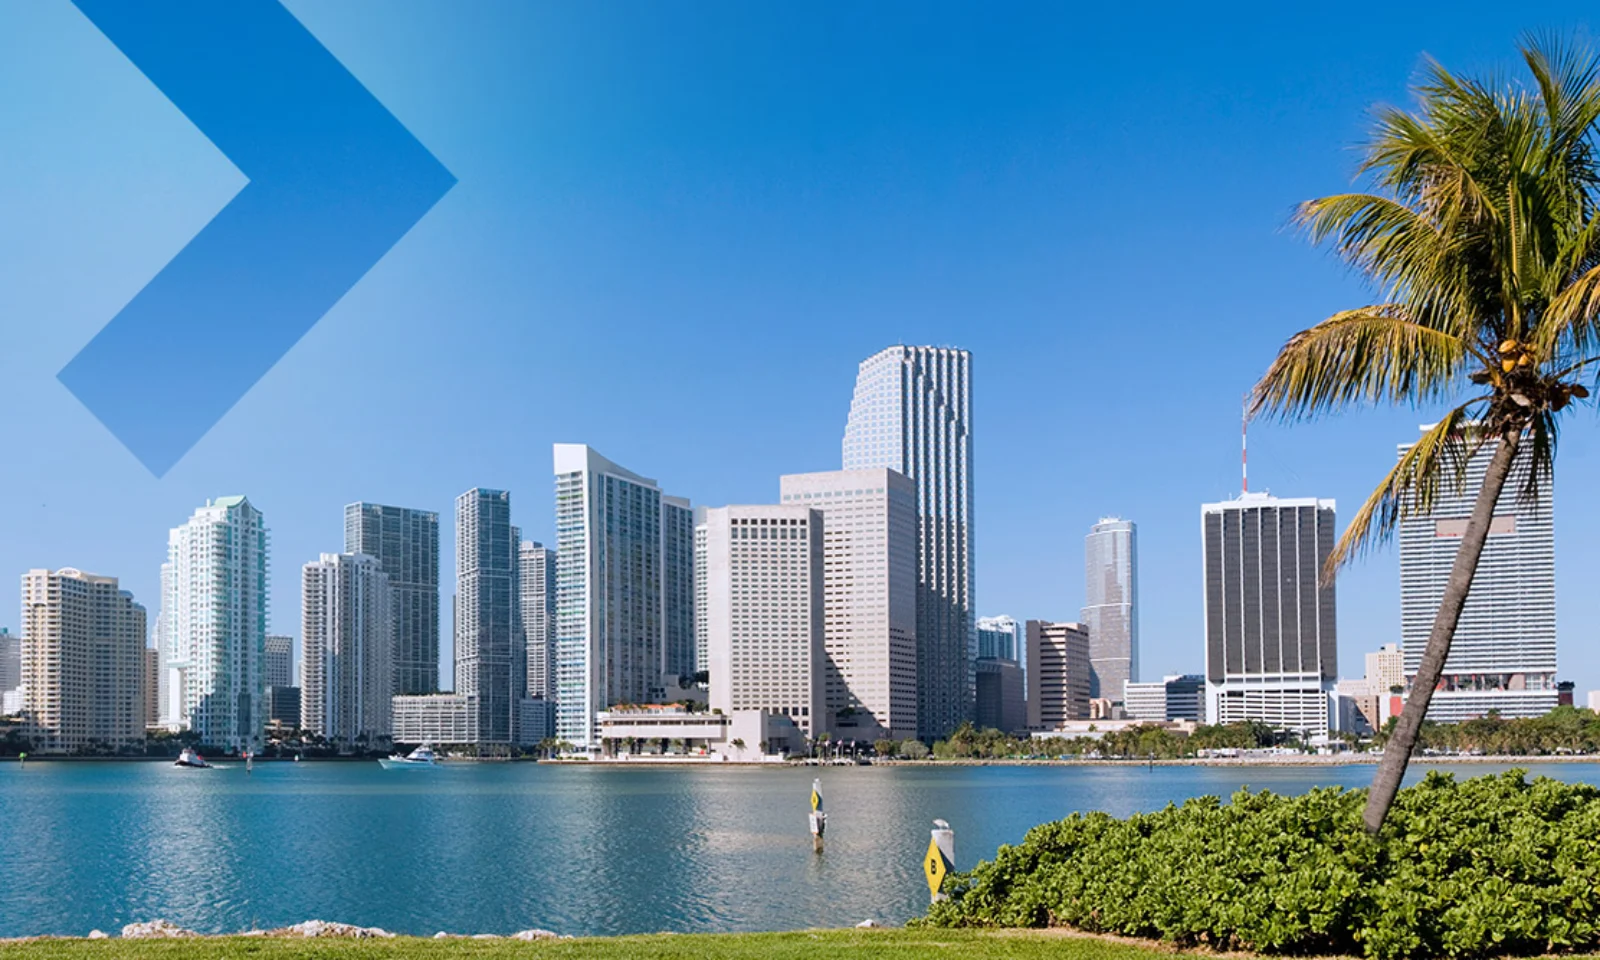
x=912 y=412
x=1111 y=606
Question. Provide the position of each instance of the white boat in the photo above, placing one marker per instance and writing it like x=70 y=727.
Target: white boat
x=190 y=758
x=420 y=757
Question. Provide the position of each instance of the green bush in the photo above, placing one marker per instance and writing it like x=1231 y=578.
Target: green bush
x=1492 y=866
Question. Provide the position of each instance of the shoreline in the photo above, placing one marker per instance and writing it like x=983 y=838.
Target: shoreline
x=1336 y=760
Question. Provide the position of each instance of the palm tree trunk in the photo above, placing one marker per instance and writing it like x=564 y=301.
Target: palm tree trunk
x=1397 y=752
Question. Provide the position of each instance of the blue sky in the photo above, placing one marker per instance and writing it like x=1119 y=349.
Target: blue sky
x=678 y=228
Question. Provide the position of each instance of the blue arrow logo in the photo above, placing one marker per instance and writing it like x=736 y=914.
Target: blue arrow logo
x=334 y=182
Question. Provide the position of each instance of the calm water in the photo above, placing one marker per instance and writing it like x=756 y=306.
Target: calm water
x=495 y=848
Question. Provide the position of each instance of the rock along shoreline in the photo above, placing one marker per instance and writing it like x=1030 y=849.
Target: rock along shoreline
x=164 y=930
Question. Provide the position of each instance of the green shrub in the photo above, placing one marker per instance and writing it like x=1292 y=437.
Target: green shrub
x=1491 y=866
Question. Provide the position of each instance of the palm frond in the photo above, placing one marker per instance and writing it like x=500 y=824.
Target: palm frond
x=1372 y=355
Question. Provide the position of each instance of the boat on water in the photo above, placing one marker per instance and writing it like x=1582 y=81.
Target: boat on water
x=190 y=758
x=420 y=757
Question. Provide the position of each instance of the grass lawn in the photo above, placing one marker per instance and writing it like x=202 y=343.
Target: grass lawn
x=813 y=945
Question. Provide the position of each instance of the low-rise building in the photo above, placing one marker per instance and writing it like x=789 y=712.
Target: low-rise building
x=283 y=707
x=1177 y=696
x=536 y=721
x=670 y=731
x=438 y=718
x=1002 y=701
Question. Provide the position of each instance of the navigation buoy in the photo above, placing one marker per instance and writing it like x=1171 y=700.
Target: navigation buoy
x=940 y=859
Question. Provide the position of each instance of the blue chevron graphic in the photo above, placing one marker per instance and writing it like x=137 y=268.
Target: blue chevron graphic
x=334 y=182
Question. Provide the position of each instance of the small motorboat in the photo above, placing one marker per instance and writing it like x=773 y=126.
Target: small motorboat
x=190 y=758
x=420 y=757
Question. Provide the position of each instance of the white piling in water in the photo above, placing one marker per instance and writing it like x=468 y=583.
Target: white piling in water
x=819 y=820
x=940 y=859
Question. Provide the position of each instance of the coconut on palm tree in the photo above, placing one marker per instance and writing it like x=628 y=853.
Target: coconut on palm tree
x=1477 y=228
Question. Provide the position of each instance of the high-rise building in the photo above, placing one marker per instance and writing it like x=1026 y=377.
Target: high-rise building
x=150 y=693
x=869 y=548
x=1001 y=638
x=283 y=707
x=764 y=611
x=490 y=659
x=1002 y=699
x=1111 y=606
x=214 y=608
x=1177 y=696
x=278 y=661
x=1058 y=674
x=702 y=656
x=406 y=543
x=677 y=588
x=347 y=622
x=912 y=413
x=83 y=640
x=1271 y=627
x=1503 y=657
x=613 y=606
x=10 y=660
x=536 y=580
x=1386 y=669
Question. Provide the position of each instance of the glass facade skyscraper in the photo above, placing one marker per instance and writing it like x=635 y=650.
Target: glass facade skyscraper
x=912 y=413
x=1111 y=606
x=406 y=543
x=490 y=661
x=1503 y=657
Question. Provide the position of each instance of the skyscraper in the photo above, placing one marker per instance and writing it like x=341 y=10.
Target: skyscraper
x=347 y=622
x=490 y=659
x=10 y=660
x=83 y=641
x=1111 y=606
x=214 y=604
x=1503 y=656
x=406 y=543
x=536 y=579
x=1271 y=627
x=764 y=611
x=1058 y=674
x=150 y=695
x=869 y=598
x=1001 y=638
x=278 y=661
x=912 y=413
x=1002 y=680
x=677 y=588
x=612 y=601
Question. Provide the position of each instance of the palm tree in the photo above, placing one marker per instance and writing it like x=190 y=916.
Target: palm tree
x=1479 y=232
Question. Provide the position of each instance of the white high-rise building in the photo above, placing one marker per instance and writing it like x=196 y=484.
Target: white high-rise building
x=912 y=413
x=214 y=612
x=536 y=579
x=869 y=598
x=624 y=570
x=1503 y=657
x=348 y=626
x=1271 y=625
x=83 y=661
x=764 y=611
x=278 y=665
x=1111 y=606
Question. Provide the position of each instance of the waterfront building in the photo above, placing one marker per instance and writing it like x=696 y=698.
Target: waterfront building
x=283 y=707
x=536 y=721
x=406 y=543
x=912 y=413
x=150 y=688
x=1058 y=674
x=489 y=656
x=83 y=641
x=764 y=616
x=1002 y=702
x=672 y=730
x=214 y=608
x=440 y=719
x=348 y=628
x=278 y=661
x=1111 y=605
x=1176 y=696
x=617 y=601
x=536 y=572
x=10 y=660
x=1386 y=669
x=702 y=656
x=1271 y=628
x=869 y=549
x=1503 y=657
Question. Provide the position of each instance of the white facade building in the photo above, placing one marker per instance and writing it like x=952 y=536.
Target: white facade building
x=536 y=579
x=1111 y=605
x=1271 y=624
x=347 y=620
x=1503 y=657
x=615 y=593
x=912 y=413
x=763 y=569
x=869 y=598
x=214 y=613
x=83 y=643
x=1176 y=696
x=439 y=718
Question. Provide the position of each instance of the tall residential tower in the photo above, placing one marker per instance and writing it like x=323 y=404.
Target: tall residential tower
x=83 y=661
x=912 y=413
x=406 y=543
x=347 y=622
x=490 y=659
x=1111 y=606
x=536 y=580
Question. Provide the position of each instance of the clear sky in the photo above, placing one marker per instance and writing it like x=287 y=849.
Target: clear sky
x=678 y=228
